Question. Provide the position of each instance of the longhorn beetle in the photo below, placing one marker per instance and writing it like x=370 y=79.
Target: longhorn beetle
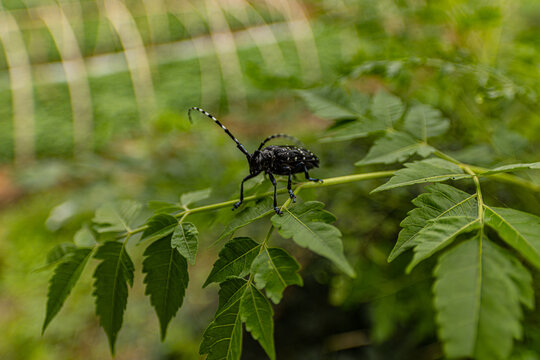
x=278 y=160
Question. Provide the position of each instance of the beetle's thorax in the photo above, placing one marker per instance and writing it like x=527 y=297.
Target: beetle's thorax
x=259 y=161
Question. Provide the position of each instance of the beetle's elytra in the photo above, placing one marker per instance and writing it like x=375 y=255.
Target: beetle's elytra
x=273 y=159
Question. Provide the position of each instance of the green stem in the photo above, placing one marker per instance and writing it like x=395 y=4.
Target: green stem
x=326 y=182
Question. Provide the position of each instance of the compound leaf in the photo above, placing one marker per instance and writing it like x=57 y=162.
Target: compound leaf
x=429 y=170
x=166 y=280
x=185 y=239
x=438 y=201
x=387 y=108
x=247 y=215
x=222 y=339
x=234 y=260
x=112 y=277
x=256 y=313
x=423 y=121
x=478 y=292
x=163 y=207
x=116 y=216
x=159 y=226
x=308 y=226
x=274 y=269
x=439 y=234
x=359 y=128
x=65 y=276
x=512 y=167
x=395 y=147
x=518 y=229
x=194 y=196
x=328 y=103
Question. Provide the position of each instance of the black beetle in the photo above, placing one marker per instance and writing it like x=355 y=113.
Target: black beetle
x=273 y=159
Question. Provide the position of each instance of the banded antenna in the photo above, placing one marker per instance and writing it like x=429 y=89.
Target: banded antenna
x=298 y=142
x=238 y=145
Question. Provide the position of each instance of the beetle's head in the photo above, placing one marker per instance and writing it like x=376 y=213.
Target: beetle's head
x=255 y=162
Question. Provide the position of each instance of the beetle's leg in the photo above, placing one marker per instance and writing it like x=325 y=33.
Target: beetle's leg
x=308 y=177
x=242 y=190
x=291 y=194
x=273 y=180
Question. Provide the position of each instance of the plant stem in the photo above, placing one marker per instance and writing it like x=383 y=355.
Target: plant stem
x=326 y=182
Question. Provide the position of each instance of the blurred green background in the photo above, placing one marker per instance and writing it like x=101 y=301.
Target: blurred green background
x=93 y=100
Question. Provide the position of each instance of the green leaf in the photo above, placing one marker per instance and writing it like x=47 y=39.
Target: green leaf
x=112 y=277
x=159 y=226
x=65 y=276
x=194 y=196
x=56 y=254
x=247 y=215
x=256 y=313
x=518 y=229
x=478 y=292
x=234 y=260
x=512 y=167
x=328 y=103
x=395 y=147
x=439 y=234
x=309 y=227
x=84 y=238
x=222 y=339
x=163 y=207
x=387 y=108
x=274 y=269
x=438 y=201
x=423 y=122
x=116 y=216
x=355 y=129
x=185 y=239
x=166 y=280
x=430 y=170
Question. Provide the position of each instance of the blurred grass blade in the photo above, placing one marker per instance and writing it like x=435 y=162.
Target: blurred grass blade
x=512 y=167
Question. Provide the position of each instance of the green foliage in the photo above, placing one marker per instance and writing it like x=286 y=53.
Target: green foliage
x=234 y=260
x=274 y=270
x=430 y=170
x=112 y=277
x=438 y=201
x=256 y=312
x=65 y=276
x=480 y=288
x=166 y=279
x=186 y=240
x=518 y=229
x=478 y=293
x=309 y=227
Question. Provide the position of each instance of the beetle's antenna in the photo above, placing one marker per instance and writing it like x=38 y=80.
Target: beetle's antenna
x=238 y=145
x=279 y=136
